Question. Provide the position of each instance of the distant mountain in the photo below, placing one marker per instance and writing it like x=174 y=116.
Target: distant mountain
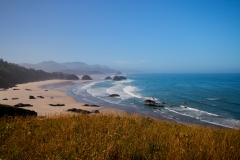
x=47 y=66
x=70 y=67
x=75 y=65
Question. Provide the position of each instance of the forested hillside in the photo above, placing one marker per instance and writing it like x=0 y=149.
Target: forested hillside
x=12 y=74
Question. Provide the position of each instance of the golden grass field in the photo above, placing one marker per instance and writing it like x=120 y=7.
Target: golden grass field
x=113 y=137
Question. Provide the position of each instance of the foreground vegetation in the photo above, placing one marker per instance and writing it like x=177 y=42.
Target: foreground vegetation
x=113 y=137
x=12 y=74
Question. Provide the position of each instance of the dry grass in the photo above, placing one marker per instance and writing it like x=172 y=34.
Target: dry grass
x=113 y=137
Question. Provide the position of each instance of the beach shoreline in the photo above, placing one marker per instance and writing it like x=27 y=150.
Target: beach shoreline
x=45 y=96
x=54 y=92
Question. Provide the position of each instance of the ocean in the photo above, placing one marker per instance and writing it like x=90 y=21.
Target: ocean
x=205 y=99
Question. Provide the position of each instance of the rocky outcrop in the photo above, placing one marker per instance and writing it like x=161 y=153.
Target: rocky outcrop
x=119 y=78
x=108 y=78
x=72 y=77
x=86 y=77
x=122 y=78
x=92 y=105
x=79 y=111
x=114 y=95
x=55 y=105
x=6 y=110
x=32 y=97
x=22 y=105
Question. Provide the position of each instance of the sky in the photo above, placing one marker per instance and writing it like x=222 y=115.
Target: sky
x=164 y=36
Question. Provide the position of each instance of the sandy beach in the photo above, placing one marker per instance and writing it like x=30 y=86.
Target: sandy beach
x=21 y=93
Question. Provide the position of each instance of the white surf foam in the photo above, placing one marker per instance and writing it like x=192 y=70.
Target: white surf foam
x=130 y=90
x=123 y=81
x=118 y=89
x=185 y=108
x=205 y=116
x=213 y=99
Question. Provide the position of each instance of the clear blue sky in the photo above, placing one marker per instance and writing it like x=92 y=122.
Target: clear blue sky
x=159 y=36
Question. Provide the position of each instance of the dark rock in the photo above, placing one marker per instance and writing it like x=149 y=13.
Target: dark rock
x=72 y=77
x=84 y=112
x=149 y=101
x=79 y=111
x=86 y=77
x=22 y=105
x=94 y=105
x=46 y=90
x=57 y=105
x=114 y=95
x=117 y=78
x=5 y=99
x=107 y=78
x=14 y=98
x=122 y=78
x=15 y=89
x=6 y=110
x=32 y=97
x=40 y=96
x=28 y=89
x=73 y=109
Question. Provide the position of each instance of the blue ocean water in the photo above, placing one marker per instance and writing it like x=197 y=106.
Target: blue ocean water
x=189 y=98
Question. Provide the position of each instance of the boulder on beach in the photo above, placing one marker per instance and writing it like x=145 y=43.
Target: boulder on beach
x=57 y=105
x=32 y=97
x=93 y=105
x=86 y=77
x=79 y=111
x=107 y=78
x=114 y=95
x=22 y=105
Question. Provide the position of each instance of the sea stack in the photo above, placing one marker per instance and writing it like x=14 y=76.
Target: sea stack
x=86 y=77
x=108 y=78
x=116 y=78
x=119 y=78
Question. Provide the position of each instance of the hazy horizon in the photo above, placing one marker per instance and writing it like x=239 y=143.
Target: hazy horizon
x=158 y=36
